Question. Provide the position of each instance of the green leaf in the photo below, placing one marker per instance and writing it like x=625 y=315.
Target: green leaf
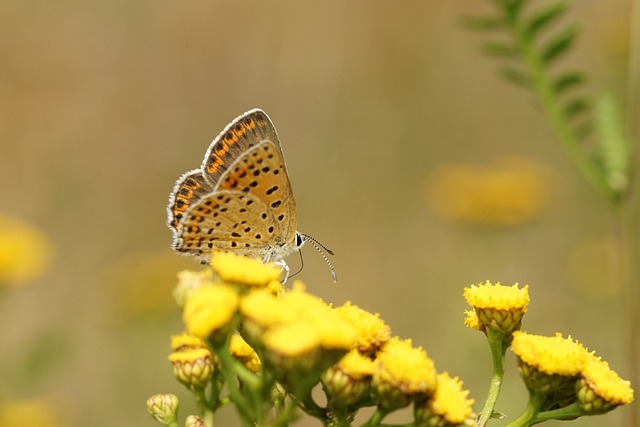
x=545 y=17
x=612 y=145
x=575 y=108
x=559 y=45
x=483 y=23
x=513 y=7
x=500 y=50
x=566 y=81
x=516 y=76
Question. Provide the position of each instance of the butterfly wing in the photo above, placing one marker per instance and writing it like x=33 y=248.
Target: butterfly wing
x=190 y=188
x=251 y=209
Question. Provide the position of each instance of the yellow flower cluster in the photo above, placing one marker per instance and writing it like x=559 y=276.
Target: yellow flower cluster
x=302 y=342
x=567 y=373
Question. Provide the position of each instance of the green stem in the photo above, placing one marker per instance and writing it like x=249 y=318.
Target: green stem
x=531 y=411
x=229 y=371
x=376 y=418
x=498 y=349
x=207 y=407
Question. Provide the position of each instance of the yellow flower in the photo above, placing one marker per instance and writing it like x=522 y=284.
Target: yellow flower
x=449 y=405
x=236 y=269
x=193 y=367
x=209 y=311
x=25 y=251
x=402 y=374
x=185 y=341
x=36 y=412
x=509 y=191
x=499 y=308
x=601 y=389
x=348 y=382
x=372 y=332
x=163 y=408
x=549 y=365
x=188 y=282
x=301 y=335
x=244 y=353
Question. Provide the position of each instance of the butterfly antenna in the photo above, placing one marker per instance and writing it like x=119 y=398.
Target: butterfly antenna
x=319 y=246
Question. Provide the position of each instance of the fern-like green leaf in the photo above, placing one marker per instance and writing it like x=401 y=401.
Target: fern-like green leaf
x=576 y=107
x=566 y=81
x=545 y=17
x=516 y=76
x=513 y=7
x=500 y=50
x=559 y=45
x=612 y=146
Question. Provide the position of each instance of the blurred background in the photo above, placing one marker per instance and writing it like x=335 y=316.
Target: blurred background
x=409 y=157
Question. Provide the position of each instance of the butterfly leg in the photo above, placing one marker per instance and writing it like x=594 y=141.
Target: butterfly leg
x=286 y=269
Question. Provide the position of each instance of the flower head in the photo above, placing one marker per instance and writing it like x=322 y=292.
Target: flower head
x=550 y=365
x=241 y=270
x=188 y=282
x=402 y=374
x=601 y=389
x=244 y=353
x=372 y=332
x=301 y=336
x=348 y=382
x=498 y=308
x=193 y=367
x=209 y=311
x=163 y=407
x=449 y=406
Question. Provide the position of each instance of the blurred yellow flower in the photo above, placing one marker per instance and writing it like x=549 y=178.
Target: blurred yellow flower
x=25 y=251
x=402 y=374
x=236 y=269
x=186 y=341
x=209 y=311
x=37 y=412
x=244 y=353
x=188 y=282
x=299 y=332
x=508 y=191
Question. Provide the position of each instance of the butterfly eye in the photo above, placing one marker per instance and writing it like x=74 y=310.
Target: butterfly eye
x=299 y=240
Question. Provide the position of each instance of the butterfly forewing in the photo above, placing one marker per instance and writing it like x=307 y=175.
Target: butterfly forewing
x=240 y=135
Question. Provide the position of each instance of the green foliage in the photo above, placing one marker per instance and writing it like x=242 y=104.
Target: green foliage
x=537 y=38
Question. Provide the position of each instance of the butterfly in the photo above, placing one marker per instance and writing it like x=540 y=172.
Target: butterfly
x=240 y=199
